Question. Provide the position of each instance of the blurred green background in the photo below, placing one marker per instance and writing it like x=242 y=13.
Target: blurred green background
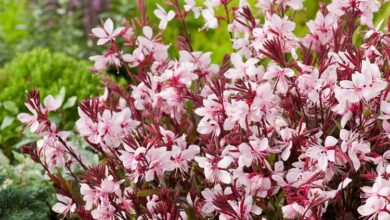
x=44 y=44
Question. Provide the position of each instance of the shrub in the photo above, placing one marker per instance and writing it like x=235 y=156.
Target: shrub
x=13 y=28
x=52 y=72
x=285 y=127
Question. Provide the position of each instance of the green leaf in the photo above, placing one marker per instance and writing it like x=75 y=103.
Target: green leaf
x=7 y=121
x=18 y=157
x=4 y=161
x=338 y=125
x=382 y=14
x=190 y=213
x=70 y=102
x=148 y=192
x=23 y=142
x=189 y=105
x=10 y=106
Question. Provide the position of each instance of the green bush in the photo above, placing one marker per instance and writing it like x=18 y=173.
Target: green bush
x=52 y=73
x=13 y=28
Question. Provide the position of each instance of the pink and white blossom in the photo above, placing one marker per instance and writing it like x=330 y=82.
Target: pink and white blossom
x=107 y=33
x=164 y=16
x=64 y=206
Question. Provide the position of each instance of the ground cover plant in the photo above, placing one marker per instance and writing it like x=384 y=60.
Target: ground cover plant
x=283 y=127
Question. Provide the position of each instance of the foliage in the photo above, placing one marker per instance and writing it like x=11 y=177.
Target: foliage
x=24 y=203
x=57 y=25
x=54 y=73
x=13 y=28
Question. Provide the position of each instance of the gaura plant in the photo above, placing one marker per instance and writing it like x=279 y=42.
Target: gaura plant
x=284 y=127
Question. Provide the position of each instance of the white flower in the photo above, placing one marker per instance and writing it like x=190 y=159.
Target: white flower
x=107 y=33
x=164 y=16
x=323 y=153
x=209 y=17
x=190 y=5
x=214 y=169
x=65 y=205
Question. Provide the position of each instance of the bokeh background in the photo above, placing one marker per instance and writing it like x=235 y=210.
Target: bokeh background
x=44 y=44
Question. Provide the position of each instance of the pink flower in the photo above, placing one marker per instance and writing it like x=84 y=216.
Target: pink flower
x=243 y=208
x=181 y=157
x=242 y=69
x=108 y=186
x=181 y=73
x=377 y=205
x=257 y=150
x=280 y=25
x=201 y=61
x=87 y=128
x=285 y=144
x=365 y=85
x=212 y=112
x=147 y=40
x=368 y=9
x=321 y=31
x=128 y=157
x=90 y=196
x=294 y=4
x=190 y=5
x=50 y=103
x=210 y=107
x=211 y=22
x=382 y=162
x=385 y=108
x=104 y=212
x=264 y=5
x=254 y=185
x=293 y=211
x=208 y=126
x=125 y=202
x=356 y=149
x=107 y=33
x=214 y=168
x=109 y=129
x=265 y=104
x=65 y=205
x=158 y=163
x=282 y=29
x=280 y=75
x=323 y=154
x=337 y=7
x=164 y=16
x=209 y=196
x=102 y=62
x=152 y=203
x=30 y=120
x=238 y=111
x=125 y=121
x=143 y=95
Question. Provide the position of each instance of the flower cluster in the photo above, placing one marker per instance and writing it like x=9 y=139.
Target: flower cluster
x=279 y=129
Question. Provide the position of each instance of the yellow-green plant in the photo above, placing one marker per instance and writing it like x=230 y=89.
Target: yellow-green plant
x=54 y=73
